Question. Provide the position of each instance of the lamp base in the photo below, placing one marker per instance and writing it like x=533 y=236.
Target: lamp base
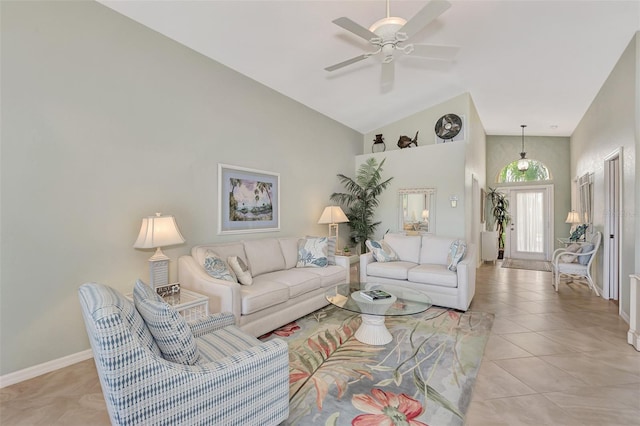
x=158 y=269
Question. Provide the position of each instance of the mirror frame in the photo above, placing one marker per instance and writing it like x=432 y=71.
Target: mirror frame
x=429 y=204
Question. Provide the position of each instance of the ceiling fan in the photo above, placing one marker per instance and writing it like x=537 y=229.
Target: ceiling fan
x=392 y=33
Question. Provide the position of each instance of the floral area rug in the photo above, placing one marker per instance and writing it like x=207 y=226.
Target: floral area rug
x=424 y=376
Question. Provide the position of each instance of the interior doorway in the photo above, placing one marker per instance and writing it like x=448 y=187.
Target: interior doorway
x=530 y=233
x=611 y=237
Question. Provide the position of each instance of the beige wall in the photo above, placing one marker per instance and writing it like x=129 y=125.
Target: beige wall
x=105 y=121
x=610 y=123
x=552 y=152
x=448 y=167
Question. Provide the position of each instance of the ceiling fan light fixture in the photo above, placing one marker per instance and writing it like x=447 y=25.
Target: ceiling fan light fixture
x=384 y=22
x=523 y=163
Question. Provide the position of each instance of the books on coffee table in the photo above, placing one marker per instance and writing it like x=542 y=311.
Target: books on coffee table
x=375 y=294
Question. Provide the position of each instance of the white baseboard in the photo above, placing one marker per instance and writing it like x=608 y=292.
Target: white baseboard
x=47 y=367
x=633 y=339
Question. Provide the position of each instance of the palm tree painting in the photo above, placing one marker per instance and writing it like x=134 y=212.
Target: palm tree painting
x=250 y=200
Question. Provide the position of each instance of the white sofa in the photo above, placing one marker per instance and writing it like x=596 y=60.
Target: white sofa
x=280 y=292
x=423 y=267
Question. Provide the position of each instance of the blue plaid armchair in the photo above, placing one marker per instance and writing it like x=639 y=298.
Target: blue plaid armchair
x=234 y=380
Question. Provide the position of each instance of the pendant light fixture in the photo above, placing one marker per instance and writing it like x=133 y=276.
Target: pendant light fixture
x=523 y=163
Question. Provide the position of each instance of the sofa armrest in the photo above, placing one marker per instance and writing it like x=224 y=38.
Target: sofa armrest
x=466 y=273
x=346 y=264
x=365 y=259
x=224 y=296
x=211 y=323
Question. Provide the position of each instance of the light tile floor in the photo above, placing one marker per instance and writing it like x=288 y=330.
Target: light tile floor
x=552 y=359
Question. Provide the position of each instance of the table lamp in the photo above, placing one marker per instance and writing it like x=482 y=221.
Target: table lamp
x=333 y=215
x=156 y=232
x=574 y=219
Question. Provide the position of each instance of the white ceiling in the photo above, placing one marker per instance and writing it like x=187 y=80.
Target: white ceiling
x=537 y=62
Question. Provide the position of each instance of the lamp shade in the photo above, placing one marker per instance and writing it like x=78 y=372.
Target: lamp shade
x=158 y=231
x=573 y=217
x=333 y=214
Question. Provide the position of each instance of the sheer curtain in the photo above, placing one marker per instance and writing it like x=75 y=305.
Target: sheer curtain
x=529 y=222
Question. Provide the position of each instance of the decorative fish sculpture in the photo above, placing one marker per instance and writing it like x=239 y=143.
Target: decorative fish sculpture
x=405 y=141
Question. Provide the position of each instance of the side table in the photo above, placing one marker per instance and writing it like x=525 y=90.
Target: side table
x=191 y=305
x=354 y=262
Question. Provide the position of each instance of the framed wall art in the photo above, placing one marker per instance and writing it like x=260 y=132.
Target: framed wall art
x=248 y=200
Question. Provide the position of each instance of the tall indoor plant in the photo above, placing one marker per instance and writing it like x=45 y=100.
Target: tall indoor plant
x=361 y=199
x=498 y=215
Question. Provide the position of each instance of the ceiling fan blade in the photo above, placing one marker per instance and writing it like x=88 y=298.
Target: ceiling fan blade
x=347 y=62
x=388 y=73
x=434 y=51
x=431 y=11
x=355 y=28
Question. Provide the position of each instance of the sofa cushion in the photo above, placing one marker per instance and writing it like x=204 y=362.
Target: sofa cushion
x=217 y=267
x=223 y=342
x=264 y=256
x=240 y=269
x=395 y=270
x=262 y=294
x=298 y=280
x=312 y=253
x=289 y=247
x=169 y=329
x=435 y=249
x=406 y=246
x=381 y=251
x=433 y=274
x=330 y=275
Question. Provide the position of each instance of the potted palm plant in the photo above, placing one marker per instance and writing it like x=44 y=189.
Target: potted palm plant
x=361 y=200
x=498 y=216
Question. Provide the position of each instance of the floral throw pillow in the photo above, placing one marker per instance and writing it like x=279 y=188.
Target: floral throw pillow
x=312 y=253
x=216 y=267
x=456 y=253
x=381 y=251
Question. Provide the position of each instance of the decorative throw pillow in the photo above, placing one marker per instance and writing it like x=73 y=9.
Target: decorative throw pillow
x=584 y=259
x=312 y=252
x=216 y=267
x=142 y=290
x=456 y=252
x=169 y=329
x=381 y=251
x=570 y=258
x=331 y=248
x=240 y=269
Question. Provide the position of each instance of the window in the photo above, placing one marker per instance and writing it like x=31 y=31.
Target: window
x=536 y=172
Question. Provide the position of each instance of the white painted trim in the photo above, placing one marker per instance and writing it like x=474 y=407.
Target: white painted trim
x=550 y=230
x=47 y=367
x=606 y=284
x=633 y=336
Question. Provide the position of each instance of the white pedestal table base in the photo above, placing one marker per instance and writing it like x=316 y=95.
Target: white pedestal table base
x=372 y=331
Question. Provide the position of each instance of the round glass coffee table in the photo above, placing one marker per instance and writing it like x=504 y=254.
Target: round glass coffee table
x=372 y=331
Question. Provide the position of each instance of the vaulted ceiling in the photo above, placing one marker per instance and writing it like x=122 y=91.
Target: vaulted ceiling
x=538 y=62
